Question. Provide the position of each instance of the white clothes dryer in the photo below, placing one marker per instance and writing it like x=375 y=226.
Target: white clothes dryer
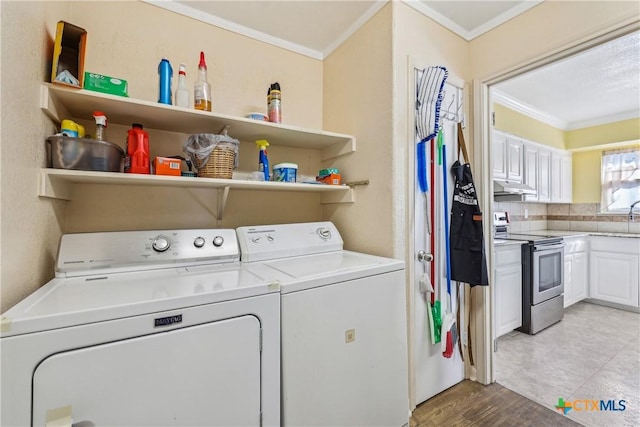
x=145 y=328
x=343 y=327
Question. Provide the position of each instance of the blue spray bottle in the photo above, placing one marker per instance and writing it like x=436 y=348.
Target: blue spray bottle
x=263 y=162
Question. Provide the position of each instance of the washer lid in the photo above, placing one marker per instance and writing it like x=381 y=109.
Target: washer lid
x=80 y=300
x=325 y=269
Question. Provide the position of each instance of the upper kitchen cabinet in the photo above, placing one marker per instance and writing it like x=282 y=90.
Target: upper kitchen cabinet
x=507 y=157
x=537 y=164
x=561 y=178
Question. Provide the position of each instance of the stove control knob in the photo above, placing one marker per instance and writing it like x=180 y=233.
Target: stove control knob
x=161 y=244
x=198 y=242
x=218 y=241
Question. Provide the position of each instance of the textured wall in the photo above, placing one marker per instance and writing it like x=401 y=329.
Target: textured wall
x=358 y=100
x=31 y=227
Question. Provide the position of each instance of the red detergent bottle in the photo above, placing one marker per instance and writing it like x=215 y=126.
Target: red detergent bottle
x=137 y=160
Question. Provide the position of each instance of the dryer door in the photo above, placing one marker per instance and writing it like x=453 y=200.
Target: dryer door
x=204 y=375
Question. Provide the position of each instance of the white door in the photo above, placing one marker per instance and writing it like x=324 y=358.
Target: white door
x=205 y=375
x=433 y=373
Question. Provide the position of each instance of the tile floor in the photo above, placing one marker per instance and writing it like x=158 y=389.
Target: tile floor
x=593 y=353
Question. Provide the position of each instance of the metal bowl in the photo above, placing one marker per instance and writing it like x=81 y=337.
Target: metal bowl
x=84 y=154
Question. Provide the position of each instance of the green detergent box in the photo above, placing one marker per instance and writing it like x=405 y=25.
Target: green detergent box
x=105 y=84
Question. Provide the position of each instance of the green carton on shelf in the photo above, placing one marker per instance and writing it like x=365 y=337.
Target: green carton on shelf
x=105 y=84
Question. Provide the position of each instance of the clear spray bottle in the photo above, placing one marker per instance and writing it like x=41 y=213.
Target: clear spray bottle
x=202 y=88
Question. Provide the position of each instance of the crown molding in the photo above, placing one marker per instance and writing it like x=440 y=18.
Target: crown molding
x=233 y=27
x=529 y=111
x=502 y=18
x=438 y=18
x=363 y=19
x=464 y=33
x=618 y=117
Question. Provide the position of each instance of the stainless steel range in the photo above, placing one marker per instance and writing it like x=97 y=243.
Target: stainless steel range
x=542 y=276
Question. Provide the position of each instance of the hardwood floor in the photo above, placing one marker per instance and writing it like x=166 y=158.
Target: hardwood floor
x=472 y=404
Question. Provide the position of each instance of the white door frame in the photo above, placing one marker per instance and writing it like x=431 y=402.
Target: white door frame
x=481 y=163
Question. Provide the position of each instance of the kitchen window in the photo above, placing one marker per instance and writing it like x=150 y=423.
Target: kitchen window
x=620 y=179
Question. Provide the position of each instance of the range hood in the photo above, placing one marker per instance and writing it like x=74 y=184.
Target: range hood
x=504 y=190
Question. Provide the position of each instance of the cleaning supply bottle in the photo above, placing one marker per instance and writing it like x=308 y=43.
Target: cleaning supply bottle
x=263 y=161
x=182 y=93
x=166 y=73
x=274 y=99
x=202 y=88
x=137 y=160
x=101 y=125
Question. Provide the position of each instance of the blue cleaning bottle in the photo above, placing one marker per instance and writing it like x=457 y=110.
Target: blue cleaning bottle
x=263 y=161
x=166 y=73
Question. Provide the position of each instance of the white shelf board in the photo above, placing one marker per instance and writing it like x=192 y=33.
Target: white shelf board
x=58 y=184
x=61 y=102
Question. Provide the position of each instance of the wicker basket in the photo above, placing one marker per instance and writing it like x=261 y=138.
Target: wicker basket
x=220 y=164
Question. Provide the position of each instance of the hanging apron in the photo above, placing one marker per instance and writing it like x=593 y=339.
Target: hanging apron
x=468 y=257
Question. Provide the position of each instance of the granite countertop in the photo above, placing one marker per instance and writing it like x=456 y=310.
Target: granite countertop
x=564 y=233
x=561 y=233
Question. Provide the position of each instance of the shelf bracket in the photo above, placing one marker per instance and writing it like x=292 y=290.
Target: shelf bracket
x=337 y=150
x=52 y=106
x=223 y=195
x=54 y=188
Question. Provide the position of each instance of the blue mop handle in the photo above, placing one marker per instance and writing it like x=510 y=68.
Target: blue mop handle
x=422 y=167
x=446 y=214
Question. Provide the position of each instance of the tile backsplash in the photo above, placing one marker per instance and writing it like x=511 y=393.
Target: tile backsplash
x=565 y=216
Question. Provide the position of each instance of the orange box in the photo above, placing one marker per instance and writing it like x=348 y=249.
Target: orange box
x=166 y=166
x=332 y=179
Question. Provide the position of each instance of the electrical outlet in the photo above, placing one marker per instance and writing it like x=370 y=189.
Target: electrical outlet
x=526 y=213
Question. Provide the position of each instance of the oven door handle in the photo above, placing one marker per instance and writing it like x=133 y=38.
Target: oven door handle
x=544 y=248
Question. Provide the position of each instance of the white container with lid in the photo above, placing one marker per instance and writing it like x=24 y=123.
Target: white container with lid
x=285 y=172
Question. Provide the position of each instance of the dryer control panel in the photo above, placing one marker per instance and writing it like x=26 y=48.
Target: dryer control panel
x=267 y=242
x=120 y=251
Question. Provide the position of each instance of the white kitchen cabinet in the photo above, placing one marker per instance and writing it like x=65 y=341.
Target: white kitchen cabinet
x=561 y=177
x=576 y=269
x=507 y=157
x=614 y=270
x=507 y=289
x=531 y=167
x=544 y=178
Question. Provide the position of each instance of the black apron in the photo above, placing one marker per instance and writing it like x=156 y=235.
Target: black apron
x=466 y=240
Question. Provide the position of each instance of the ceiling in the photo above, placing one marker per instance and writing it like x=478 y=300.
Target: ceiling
x=595 y=87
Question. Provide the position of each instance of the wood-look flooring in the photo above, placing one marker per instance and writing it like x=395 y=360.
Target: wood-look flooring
x=472 y=404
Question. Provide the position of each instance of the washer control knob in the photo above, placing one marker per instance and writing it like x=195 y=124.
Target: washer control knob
x=161 y=244
x=198 y=242
x=324 y=233
x=256 y=239
x=218 y=241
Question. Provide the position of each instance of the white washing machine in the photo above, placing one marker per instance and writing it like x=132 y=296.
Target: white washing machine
x=145 y=328
x=343 y=326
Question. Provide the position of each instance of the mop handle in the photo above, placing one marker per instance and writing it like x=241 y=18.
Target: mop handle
x=446 y=214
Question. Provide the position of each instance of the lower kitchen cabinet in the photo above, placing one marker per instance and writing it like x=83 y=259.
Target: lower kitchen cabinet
x=576 y=270
x=614 y=270
x=508 y=288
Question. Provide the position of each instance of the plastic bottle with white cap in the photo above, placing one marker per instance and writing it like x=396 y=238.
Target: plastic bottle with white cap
x=182 y=93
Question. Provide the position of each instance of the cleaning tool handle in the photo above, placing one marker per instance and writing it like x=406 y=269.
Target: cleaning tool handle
x=446 y=213
x=422 y=167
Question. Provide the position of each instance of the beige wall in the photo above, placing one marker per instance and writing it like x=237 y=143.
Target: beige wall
x=31 y=227
x=240 y=70
x=359 y=100
x=545 y=29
